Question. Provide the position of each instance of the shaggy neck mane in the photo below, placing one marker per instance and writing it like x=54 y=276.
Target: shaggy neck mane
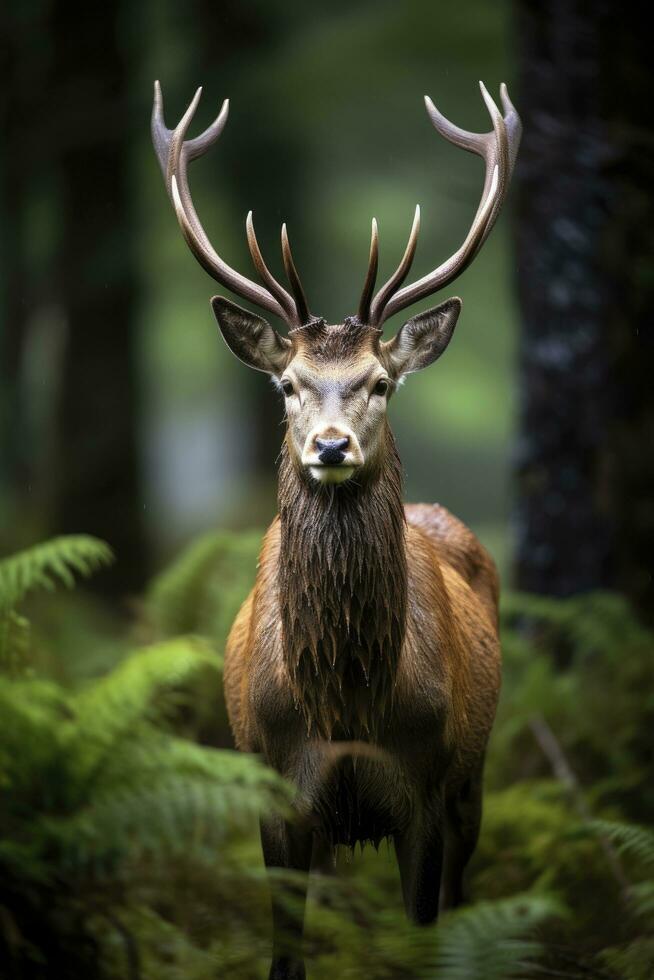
x=343 y=593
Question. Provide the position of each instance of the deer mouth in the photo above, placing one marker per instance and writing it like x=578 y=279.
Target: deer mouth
x=330 y=473
x=332 y=454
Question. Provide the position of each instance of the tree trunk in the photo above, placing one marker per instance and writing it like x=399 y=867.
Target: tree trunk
x=97 y=479
x=585 y=255
x=22 y=288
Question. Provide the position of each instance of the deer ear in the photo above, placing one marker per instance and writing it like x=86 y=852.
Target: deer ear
x=250 y=337
x=422 y=339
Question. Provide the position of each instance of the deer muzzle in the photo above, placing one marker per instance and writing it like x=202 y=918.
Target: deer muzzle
x=332 y=454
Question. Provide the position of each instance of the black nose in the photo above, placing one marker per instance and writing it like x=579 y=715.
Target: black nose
x=331 y=450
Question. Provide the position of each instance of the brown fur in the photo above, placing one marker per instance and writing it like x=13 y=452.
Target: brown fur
x=365 y=664
x=343 y=618
x=335 y=343
x=335 y=598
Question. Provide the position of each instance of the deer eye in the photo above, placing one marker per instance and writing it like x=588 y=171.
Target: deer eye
x=381 y=388
x=287 y=387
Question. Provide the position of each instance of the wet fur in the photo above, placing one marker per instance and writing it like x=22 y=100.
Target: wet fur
x=336 y=599
x=365 y=668
x=345 y=594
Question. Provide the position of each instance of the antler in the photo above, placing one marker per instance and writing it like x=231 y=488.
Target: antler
x=499 y=149
x=174 y=153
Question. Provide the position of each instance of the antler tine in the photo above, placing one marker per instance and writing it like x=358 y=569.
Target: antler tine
x=454 y=266
x=160 y=133
x=174 y=152
x=292 y=275
x=498 y=149
x=497 y=154
x=400 y=274
x=162 y=136
x=371 y=275
x=493 y=147
x=513 y=126
x=266 y=275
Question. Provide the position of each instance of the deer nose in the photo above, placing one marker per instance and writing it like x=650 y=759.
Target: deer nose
x=330 y=451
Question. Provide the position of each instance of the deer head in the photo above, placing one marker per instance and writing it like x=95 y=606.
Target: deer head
x=337 y=379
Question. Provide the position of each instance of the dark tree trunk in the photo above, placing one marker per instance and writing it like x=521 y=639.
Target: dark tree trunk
x=96 y=482
x=585 y=255
x=22 y=288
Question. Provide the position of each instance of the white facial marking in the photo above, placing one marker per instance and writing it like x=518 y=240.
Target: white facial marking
x=331 y=474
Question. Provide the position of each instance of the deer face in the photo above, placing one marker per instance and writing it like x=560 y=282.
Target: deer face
x=336 y=381
x=336 y=389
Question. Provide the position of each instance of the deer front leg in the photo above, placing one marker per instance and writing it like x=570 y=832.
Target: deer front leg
x=287 y=846
x=463 y=819
x=419 y=850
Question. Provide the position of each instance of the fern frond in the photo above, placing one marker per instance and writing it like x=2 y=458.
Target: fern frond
x=628 y=838
x=593 y=621
x=141 y=688
x=642 y=896
x=631 y=961
x=168 y=815
x=34 y=714
x=50 y=563
x=14 y=644
x=488 y=941
x=203 y=589
x=157 y=754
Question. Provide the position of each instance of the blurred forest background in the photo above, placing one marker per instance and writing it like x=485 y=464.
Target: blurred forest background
x=128 y=840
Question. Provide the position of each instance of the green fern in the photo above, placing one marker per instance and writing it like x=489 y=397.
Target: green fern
x=14 y=643
x=118 y=831
x=103 y=806
x=65 y=757
x=591 y=624
x=575 y=661
x=633 y=959
x=168 y=817
x=202 y=590
x=142 y=686
x=48 y=564
x=490 y=940
x=630 y=839
x=41 y=567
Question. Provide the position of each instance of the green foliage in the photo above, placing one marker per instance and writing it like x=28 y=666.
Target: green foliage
x=586 y=665
x=630 y=839
x=49 y=564
x=128 y=848
x=202 y=590
x=633 y=961
x=40 y=567
x=104 y=808
x=489 y=941
x=634 y=958
x=356 y=927
x=531 y=840
x=14 y=642
x=101 y=800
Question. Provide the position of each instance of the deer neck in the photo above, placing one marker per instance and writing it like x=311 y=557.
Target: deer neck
x=343 y=595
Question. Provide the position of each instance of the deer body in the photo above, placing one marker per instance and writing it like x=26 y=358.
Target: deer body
x=423 y=691
x=365 y=664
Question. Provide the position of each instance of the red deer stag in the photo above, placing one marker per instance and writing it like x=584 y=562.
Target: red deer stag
x=370 y=622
